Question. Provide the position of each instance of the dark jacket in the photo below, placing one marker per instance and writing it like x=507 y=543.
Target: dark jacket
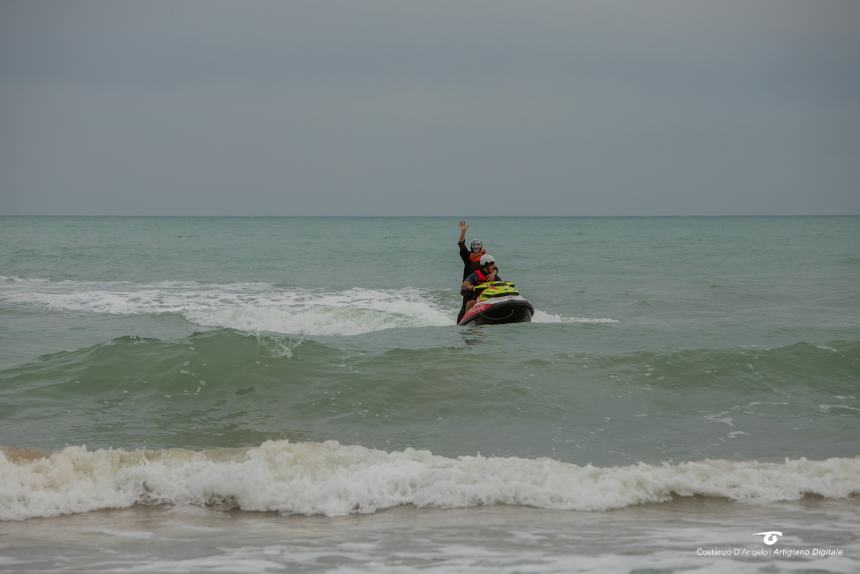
x=469 y=266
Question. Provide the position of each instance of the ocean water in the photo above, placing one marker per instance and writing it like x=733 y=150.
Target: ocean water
x=292 y=394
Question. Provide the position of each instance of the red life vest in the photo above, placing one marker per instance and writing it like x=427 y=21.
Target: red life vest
x=481 y=277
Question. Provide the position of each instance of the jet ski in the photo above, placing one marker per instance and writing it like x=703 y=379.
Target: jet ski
x=499 y=302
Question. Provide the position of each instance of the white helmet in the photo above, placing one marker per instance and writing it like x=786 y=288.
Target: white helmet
x=486 y=259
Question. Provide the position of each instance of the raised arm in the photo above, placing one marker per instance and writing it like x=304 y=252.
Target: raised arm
x=464 y=253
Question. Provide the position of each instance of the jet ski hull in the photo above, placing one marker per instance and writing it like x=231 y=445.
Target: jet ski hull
x=498 y=311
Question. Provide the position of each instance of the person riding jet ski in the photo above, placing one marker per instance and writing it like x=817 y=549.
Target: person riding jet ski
x=486 y=273
x=493 y=301
x=471 y=261
x=471 y=257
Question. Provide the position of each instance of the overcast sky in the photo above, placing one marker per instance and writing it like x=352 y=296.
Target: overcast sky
x=429 y=107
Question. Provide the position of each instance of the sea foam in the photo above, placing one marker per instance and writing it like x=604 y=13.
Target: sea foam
x=255 y=307
x=242 y=306
x=335 y=480
x=544 y=317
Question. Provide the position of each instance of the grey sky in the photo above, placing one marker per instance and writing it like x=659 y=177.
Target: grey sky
x=429 y=108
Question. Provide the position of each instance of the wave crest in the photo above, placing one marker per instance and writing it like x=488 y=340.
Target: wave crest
x=335 y=480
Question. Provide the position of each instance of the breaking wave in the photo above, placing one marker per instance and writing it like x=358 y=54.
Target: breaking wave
x=335 y=480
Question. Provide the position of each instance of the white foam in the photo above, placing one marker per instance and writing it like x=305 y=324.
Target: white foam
x=244 y=306
x=830 y=409
x=233 y=563
x=721 y=418
x=334 y=480
x=126 y=533
x=251 y=306
x=544 y=317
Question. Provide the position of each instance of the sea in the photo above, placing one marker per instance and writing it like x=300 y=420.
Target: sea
x=275 y=394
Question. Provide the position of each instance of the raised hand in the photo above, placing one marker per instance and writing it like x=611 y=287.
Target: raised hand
x=463 y=225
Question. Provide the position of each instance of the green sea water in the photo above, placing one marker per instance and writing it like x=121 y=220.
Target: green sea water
x=208 y=332
x=217 y=342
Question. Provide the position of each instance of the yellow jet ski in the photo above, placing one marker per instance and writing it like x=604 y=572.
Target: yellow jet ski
x=499 y=302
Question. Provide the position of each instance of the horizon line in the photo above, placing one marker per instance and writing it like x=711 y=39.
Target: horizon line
x=470 y=216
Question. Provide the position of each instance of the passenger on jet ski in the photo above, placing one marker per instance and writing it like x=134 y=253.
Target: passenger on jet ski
x=487 y=272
